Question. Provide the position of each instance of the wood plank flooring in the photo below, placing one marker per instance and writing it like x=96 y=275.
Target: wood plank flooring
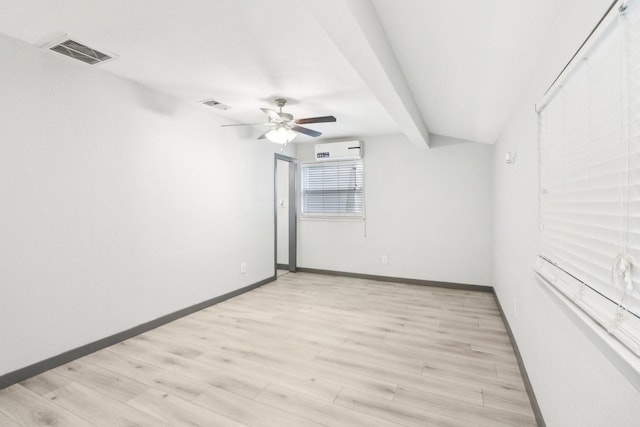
x=306 y=350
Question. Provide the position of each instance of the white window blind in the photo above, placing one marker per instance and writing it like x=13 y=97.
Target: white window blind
x=333 y=188
x=590 y=179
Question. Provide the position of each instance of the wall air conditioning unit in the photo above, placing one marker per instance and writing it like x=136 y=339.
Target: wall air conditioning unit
x=344 y=150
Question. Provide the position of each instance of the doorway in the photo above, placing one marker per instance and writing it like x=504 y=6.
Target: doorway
x=285 y=213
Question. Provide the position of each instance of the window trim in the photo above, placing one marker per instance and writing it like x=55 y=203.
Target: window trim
x=617 y=353
x=332 y=216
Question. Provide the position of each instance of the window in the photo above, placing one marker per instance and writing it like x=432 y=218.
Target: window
x=590 y=178
x=333 y=189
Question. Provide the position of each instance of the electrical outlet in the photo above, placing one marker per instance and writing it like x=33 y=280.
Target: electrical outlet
x=384 y=259
x=243 y=267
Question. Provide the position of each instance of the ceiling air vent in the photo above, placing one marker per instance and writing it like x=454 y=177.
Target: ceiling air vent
x=215 y=104
x=83 y=53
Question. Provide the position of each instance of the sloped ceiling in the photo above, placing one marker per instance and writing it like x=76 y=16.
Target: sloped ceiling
x=381 y=66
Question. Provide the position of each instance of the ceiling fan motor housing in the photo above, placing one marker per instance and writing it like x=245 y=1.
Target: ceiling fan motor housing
x=286 y=117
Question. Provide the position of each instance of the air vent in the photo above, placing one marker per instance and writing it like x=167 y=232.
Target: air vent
x=215 y=104
x=83 y=53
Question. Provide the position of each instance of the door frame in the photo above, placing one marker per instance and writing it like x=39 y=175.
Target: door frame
x=293 y=167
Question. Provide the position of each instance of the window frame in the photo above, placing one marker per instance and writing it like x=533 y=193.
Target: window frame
x=334 y=216
x=582 y=301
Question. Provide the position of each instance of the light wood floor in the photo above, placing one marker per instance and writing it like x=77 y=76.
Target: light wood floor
x=306 y=350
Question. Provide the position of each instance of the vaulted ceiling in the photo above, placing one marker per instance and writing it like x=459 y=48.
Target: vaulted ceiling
x=417 y=67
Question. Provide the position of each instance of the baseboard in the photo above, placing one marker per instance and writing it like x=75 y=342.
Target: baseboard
x=523 y=371
x=55 y=361
x=282 y=266
x=448 y=285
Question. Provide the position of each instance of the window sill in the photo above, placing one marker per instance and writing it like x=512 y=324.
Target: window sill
x=345 y=218
x=618 y=354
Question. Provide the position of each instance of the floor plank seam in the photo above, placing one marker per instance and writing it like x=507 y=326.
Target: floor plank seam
x=322 y=350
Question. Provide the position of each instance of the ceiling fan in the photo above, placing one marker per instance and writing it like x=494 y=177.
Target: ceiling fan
x=284 y=127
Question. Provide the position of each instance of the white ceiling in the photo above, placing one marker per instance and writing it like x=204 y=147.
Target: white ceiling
x=381 y=67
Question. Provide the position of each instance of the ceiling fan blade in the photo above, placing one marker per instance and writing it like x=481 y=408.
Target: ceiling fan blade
x=323 y=119
x=264 y=135
x=306 y=131
x=272 y=115
x=246 y=124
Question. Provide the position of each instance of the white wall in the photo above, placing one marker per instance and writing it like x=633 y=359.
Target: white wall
x=118 y=205
x=574 y=383
x=429 y=211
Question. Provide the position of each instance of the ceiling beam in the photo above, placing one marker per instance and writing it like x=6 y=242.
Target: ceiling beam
x=357 y=32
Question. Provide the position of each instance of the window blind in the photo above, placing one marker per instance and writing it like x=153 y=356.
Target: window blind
x=333 y=188
x=590 y=180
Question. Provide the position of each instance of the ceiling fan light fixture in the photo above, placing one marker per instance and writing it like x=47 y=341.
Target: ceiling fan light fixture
x=280 y=135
